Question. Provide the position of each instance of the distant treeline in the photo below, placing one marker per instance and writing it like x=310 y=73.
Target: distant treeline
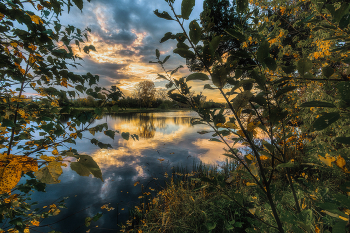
x=129 y=102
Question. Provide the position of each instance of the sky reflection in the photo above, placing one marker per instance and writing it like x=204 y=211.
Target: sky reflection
x=168 y=136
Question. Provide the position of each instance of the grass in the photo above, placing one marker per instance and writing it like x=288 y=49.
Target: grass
x=188 y=204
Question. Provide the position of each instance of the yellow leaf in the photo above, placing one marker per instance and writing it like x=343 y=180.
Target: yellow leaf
x=36 y=19
x=252 y=211
x=35 y=222
x=264 y=157
x=1 y=16
x=55 y=152
x=340 y=162
x=136 y=183
x=341 y=217
x=10 y=176
x=64 y=82
x=317 y=230
x=14 y=44
x=230 y=125
x=250 y=184
x=32 y=47
x=161 y=160
x=48 y=158
x=327 y=160
x=240 y=133
x=40 y=7
x=249 y=156
x=219 y=125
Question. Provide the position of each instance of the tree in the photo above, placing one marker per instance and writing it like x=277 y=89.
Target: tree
x=145 y=92
x=35 y=53
x=287 y=45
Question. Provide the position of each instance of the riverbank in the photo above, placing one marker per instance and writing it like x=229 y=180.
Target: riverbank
x=134 y=110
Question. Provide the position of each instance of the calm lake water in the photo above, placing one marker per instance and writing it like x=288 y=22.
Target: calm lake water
x=164 y=135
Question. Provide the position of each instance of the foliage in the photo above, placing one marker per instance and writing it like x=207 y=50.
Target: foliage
x=35 y=56
x=288 y=102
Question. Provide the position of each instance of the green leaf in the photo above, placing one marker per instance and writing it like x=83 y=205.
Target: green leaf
x=207 y=86
x=197 y=76
x=304 y=65
x=97 y=216
x=260 y=79
x=110 y=133
x=215 y=140
x=317 y=104
x=166 y=59
x=7 y=123
x=88 y=221
x=327 y=71
x=157 y=53
x=86 y=166
x=166 y=37
x=179 y=98
x=210 y=225
x=325 y=120
x=126 y=135
x=208 y=55
x=270 y=63
x=79 y=4
x=163 y=15
x=185 y=53
x=288 y=69
x=284 y=165
x=215 y=42
x=160 y=76
x=344 y=21
x=241 y=100
x=263 y=51
x=219 y=76
x=344 y=140
x=285 y=90
x=242 y=6
x=186 y=8
x=236 y=34
x=195 y=32
x=344 y=91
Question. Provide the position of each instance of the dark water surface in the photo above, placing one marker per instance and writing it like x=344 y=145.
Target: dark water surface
x=164 y=135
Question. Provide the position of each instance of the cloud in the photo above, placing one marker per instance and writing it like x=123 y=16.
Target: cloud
x=126 y=34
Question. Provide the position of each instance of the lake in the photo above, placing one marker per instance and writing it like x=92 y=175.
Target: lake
x=166 y=139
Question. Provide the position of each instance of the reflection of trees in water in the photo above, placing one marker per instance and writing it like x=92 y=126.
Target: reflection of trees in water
x=182 y=121
x=147 y=124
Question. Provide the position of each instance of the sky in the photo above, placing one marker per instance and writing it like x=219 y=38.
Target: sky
x=126 y=34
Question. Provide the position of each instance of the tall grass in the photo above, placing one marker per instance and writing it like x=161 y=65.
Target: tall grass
x=187 y=204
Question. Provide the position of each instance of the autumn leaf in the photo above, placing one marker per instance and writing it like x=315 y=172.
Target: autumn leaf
x=14 y=44
x=40 y=7
x=250 y=184
x=50 y=173
x=249 y=156
x=47 y=158
x=36 y=19
x=327 y=160
x=64 y=82
x=55 y=152
x=11 y=172
x=340 y=162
